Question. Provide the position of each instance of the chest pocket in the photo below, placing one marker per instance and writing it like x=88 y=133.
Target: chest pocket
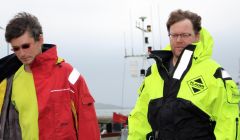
x=61 y=103
x=233 y=95
x=63 y=115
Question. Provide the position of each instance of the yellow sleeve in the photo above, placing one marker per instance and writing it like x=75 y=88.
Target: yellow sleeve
x=227 y=117
x=137 y=121
x=3 y=86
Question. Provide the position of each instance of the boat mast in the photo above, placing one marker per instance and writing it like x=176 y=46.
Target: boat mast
x=145 y=41
x=7 y=43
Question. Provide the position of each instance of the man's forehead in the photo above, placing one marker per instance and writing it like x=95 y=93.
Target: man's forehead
x=23 y=39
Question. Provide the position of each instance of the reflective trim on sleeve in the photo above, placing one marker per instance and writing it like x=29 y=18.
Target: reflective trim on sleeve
x=73 y=77
x=186 y=56
x=225 y=74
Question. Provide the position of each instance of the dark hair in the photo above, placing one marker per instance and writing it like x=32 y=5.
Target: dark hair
x=179 y=15
x=21 y=23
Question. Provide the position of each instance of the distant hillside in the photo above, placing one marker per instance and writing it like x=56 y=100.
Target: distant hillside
x=107 y=106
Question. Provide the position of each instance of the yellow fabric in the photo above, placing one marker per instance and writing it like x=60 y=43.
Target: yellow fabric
x=74 y=115
x=60 y=60
x=3 y=86
x=25 y=101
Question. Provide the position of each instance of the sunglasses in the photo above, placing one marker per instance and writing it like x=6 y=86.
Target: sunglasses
x=24 y=46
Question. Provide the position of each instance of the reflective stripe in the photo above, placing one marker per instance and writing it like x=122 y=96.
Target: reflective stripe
x=186 y=56
x=73 y=77
x=58 y=90
x=225 y=74
x=74 y=111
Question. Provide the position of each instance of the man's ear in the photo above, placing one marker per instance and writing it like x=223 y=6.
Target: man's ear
x=197 y=37
x=41 y=39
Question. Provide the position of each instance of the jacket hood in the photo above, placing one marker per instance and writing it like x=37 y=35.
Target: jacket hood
x=49 y=53
x=204 y=47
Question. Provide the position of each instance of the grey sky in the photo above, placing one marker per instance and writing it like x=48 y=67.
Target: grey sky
x=92 y=34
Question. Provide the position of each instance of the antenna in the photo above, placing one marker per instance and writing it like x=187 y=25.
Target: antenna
x=145 y=42
x=7 y=42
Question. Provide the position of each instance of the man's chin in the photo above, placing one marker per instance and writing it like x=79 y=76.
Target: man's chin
x=26 y=62
x=178 y=53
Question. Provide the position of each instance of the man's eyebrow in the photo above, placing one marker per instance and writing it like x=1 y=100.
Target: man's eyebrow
x=15 y=46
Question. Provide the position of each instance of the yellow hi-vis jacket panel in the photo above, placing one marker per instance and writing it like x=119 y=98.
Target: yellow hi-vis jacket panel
x=3 y=86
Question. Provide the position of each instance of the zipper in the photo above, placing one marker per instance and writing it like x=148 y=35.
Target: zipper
x=166 y=70
x=236 y=128
x=156 y=135
x=159 y=60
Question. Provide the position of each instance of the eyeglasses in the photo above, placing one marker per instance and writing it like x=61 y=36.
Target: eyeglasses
x=24 y=46
x=183 y=36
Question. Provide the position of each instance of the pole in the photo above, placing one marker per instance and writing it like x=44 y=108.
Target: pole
x=7 y=42
x=7 y=48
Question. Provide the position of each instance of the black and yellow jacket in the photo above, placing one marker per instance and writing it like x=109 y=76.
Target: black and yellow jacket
x=198 y=101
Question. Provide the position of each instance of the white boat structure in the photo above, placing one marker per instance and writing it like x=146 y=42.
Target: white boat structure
x=115 y=127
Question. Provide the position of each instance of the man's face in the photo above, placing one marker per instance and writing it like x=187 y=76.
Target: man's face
x=26 y=48
x=181 y=34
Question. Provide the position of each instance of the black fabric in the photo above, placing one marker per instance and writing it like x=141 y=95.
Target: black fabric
x=218 y=73
x=179 y=119
x=149 y=72
x=162 y=59
x=8 y=66
x=170 y=67
x=150 y=136
x=45 y=47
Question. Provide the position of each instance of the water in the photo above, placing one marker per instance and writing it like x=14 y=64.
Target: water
x=109 y=112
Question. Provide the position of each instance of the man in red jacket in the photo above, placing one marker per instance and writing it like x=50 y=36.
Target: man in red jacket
x=45 y=98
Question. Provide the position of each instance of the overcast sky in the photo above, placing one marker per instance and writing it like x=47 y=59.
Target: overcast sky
x=92 y=35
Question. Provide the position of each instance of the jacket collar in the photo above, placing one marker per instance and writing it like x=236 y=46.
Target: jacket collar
x=48 y=55
x=163 y=56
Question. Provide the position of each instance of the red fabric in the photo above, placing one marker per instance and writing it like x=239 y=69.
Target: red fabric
x=54 y=95
x=119 y=118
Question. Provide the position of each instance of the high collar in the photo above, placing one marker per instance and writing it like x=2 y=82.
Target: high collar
x=45 y=62
x=48 y=56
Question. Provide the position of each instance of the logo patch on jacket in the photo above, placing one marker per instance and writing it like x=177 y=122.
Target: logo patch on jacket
x=197 y=85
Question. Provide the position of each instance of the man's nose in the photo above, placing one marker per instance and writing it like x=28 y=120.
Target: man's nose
x=21 y=52
x=179 y=38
